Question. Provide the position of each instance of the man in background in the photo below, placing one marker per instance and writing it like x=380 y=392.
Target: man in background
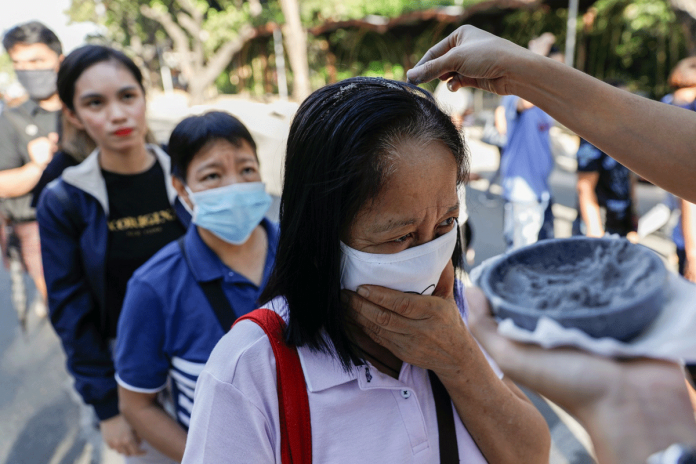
x=527 y=165
x=28 y=138
x=603 y=183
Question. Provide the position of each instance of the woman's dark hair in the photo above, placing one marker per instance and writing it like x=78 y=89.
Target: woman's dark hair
x=194 y=132
x=339 y=156
x=31 y=33
x=84 y=57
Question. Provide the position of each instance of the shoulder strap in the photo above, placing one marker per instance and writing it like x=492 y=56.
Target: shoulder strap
x=214 y=294
x=449 y=451
x=293 y=402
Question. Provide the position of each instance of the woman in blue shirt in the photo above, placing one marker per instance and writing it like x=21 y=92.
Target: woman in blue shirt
x=182 y=301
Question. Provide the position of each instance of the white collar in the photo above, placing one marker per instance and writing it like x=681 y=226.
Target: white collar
x=87 y=176
x=321 y=370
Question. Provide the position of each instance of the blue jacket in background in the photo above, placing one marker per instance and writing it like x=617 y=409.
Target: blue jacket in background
x=528 y=162
x=72 y=215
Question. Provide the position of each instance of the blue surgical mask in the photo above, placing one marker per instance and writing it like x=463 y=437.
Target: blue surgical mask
x=231 y=212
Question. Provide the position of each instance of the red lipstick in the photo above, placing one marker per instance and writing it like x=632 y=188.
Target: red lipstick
x=123 y=132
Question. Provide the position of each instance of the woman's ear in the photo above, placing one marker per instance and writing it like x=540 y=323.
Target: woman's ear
x=72 y=117
x=61 y=57
x=181 y=191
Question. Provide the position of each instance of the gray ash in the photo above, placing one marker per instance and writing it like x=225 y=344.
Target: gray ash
x=610 y=276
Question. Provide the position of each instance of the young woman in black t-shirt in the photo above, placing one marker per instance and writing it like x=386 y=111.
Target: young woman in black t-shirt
x=103 y=219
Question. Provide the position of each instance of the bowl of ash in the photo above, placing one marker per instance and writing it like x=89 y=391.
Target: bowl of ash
x=605 y=287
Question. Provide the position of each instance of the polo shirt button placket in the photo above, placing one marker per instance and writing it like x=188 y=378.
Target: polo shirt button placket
x=413 y=421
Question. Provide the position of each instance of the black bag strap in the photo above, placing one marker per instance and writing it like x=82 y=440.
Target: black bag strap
x=214 y=294
x=449 y=451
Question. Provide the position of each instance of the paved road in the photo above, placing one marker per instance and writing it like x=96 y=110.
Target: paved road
x=39 y=422
x=39 y=416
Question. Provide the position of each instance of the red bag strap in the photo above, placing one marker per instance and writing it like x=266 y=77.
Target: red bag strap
x=293 y=402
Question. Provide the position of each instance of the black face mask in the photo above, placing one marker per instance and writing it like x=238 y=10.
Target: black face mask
x=40 y=84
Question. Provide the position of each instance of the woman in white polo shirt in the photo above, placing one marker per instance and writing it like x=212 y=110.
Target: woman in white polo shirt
x=370 y=197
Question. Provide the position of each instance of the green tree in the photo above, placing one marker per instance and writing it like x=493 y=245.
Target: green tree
x=686 y=14
x=637 y=40
x=204 y=35
x=317 y=11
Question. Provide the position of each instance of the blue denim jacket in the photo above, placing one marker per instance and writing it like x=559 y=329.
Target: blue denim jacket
x=72 y=213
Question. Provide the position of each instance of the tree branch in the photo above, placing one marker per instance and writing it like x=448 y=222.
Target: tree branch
x=173 y=29
x=189 y=24
x=296 y=45
x=191 y=9
x=193 y=23
x=222 y=57
x=181 y=40
x=255 y=7
x=685 y=6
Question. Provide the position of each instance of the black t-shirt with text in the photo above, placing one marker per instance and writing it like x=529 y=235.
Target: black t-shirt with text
x=141 y=221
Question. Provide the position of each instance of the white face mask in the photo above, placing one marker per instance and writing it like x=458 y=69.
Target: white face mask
x=414 y=270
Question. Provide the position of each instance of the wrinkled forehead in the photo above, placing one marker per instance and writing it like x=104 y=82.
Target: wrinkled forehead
x=420 y=180
x=222 y=150
x=221 y=154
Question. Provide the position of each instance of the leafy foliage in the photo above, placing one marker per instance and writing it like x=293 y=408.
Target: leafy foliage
x=222 y=19
x=205 y=34
x=637 y=40
x=317 y=11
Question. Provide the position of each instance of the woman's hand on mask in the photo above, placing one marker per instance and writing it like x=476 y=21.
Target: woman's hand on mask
x=471 y=57
x=426 y=331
